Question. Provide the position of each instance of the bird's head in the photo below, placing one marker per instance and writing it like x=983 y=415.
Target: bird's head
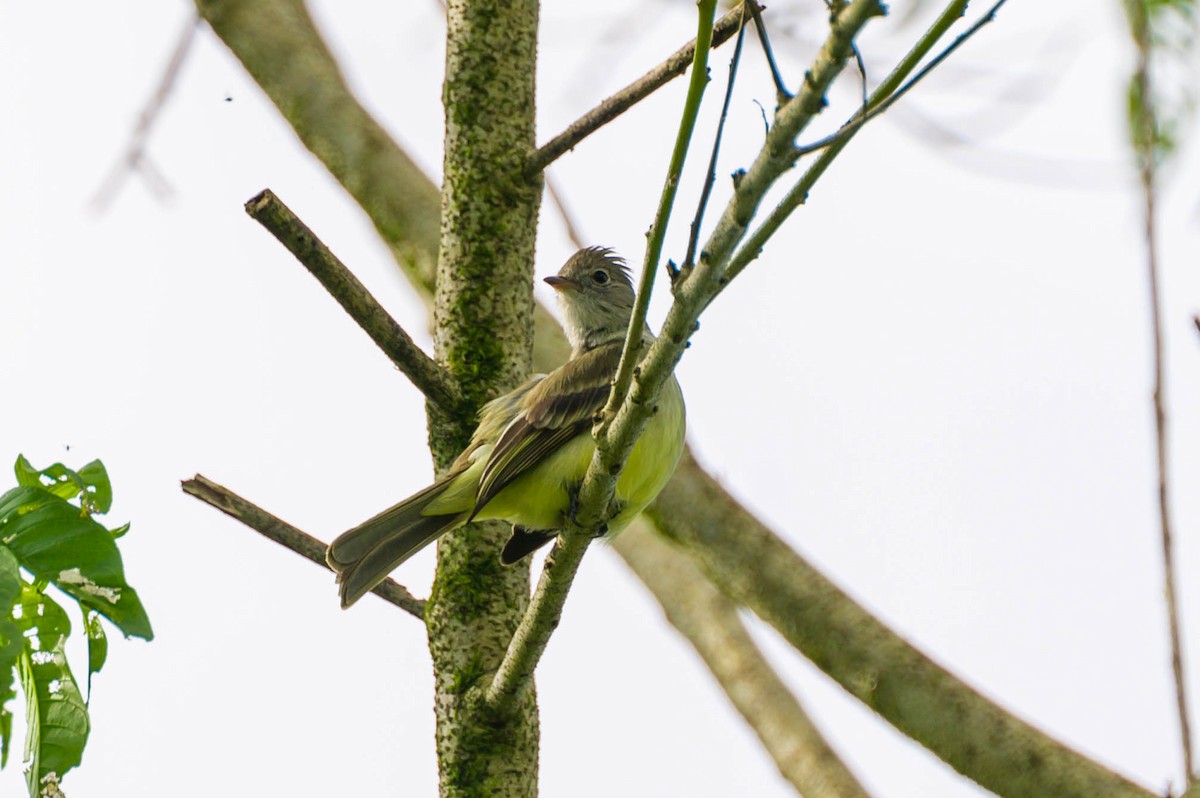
x=596 y=293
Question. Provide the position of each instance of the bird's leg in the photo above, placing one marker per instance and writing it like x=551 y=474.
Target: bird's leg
x=573 y=502
x=573 y=509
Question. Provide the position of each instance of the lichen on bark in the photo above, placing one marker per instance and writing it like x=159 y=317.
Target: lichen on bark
x=483 y=320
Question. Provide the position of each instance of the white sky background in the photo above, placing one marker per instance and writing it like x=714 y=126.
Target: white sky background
x=935 y=383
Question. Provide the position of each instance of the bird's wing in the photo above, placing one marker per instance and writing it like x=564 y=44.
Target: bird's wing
x=553 y=412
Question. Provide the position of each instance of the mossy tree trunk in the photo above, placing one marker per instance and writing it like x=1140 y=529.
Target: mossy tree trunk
x=484 y=334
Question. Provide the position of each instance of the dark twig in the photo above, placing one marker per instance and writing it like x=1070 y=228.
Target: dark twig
x=430 y=378
x=288 y=536
x=883 y=96
x=627 y=97
x=870 y=109
x=564 y=213
x=782 y=95
x=134 y=158
x=1146 y=147
x=709 y=179
x=862 y=74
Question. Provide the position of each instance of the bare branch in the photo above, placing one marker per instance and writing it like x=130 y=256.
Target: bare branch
x=280 y=47
x=880 y=98
x=888 y=95
x=288 y=536
x=571 y=226
x=134 y=157
x=782 y=95
x=695 y=288
x=975 y=736
x=710 y=622
x=1146 y=147
x=596 y=494
x=311 y=94
x=629 y=96
x=541 y=618
x=710 y=176
x=429 y=377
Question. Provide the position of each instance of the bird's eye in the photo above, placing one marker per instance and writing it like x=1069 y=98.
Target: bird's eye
x=600 y=277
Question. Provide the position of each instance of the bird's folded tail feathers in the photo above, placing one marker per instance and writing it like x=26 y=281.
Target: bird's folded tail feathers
x=362 y=557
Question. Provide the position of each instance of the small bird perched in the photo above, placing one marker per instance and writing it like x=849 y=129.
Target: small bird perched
x=532 y=447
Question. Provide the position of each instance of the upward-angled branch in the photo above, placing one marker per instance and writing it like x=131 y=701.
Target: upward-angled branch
x=711 y=623
x=626 y=98
x=279 y=46
x=973 y=735
x=288 y=536
x=134 y=158
x=515 y=673
x=430 y=378
x=281 y=49
x=1148 y=148
x=892 y=87
x=597 y=502
x=694 y=289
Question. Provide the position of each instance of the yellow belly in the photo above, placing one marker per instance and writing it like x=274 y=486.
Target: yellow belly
x=539 y=499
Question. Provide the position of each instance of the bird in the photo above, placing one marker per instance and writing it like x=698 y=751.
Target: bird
x=532 y=446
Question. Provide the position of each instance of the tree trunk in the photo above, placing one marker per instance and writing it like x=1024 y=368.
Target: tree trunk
x=484 y=334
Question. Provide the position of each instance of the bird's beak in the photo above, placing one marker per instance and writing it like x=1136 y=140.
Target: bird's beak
x=559 y=283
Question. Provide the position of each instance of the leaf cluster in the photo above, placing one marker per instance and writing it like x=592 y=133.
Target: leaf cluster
x=48 y=533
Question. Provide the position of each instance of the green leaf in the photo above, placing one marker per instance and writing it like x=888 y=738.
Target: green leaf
x=11 y=645
x=97 y=644
x=95 y=476
x=57 y=479
x=57 y=717
x=90 y=484
x=54 y=542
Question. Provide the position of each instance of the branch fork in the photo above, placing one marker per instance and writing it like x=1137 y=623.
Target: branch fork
x=633 y=395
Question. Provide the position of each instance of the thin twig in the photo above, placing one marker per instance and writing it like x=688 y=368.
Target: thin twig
x=564 y=213
x=631 y=352
x=782 y=95
x=545 y=608
x=288 y=536
x=753 y=244
x=1145 y=145
x=862 y=74
x=624 y=420
x=424 y=372
x=134 y=157
x=710 y=178
x=627 y=97
x=878 y=103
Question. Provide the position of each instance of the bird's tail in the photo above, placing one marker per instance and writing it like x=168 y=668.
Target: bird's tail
x=363 y=556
